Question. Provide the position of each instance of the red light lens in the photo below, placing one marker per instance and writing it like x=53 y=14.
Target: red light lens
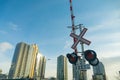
x=72 y=58
x=90 y=56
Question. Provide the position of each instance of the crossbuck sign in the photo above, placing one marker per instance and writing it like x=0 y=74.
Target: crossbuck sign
x=79 y=38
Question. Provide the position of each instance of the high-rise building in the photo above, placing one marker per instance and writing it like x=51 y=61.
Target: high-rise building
x=31 y=61
x=24 y=60
x=40 y=67
x=62 y=70
x=99 y=72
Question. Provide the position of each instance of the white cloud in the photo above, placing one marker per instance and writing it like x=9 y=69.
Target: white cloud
x=14 y=26
x=5 y=66
x=108 y=26
x=5 y=61
x=108 y=38
x=4 y=46
x=105 y=34
x=112 y=66
x=106 y=49
x=68 y=44
x=3 y=32
x=51 y=68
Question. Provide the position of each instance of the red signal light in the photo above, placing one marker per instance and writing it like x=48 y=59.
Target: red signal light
x=72 y=58
x=91 y=57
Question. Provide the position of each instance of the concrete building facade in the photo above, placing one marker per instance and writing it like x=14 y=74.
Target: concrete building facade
x=24 y=60
x=40 y=67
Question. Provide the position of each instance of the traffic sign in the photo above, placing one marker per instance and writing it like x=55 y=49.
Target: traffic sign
x=80 y=38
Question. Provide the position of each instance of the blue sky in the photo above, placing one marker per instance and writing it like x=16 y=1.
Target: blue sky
x=45 y=23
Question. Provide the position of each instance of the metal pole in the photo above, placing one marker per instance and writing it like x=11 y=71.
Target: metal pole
x=72 y=20
x=84 y=76
x=73 y=31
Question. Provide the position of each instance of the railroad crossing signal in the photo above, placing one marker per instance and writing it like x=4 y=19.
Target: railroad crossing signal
x=84 y=67
x=80 y=38
x=91 y=57
x=72 y=58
